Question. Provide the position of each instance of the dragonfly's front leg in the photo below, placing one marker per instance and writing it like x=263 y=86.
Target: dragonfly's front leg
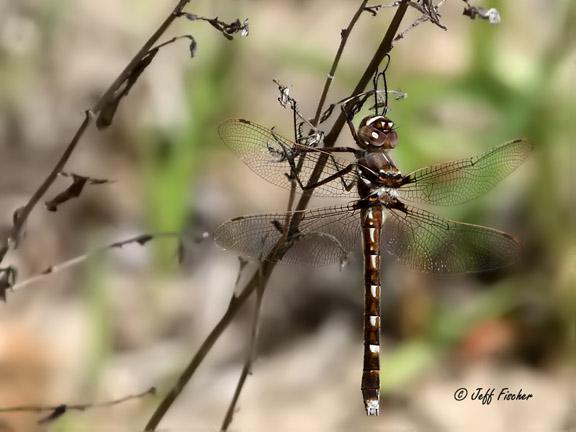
x=348 y=119
x=290 y=154
x=346 y=186
x=294 y=174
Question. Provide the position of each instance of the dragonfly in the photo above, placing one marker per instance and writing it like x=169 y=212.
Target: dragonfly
x=381 y=216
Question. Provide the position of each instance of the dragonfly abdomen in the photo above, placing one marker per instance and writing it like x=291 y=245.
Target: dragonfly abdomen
x=371 y=230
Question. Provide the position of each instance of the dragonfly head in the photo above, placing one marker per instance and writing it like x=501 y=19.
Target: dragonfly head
x=377 y=133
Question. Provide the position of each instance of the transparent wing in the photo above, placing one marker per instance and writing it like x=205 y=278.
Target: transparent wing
x=463 y=180
x=325 y=235
x=426 y=242
x=266 y=153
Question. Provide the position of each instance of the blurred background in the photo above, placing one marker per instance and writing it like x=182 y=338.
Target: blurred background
x=132 y=319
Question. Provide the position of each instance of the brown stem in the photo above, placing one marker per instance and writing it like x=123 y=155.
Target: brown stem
x=263 y=274
x=335 y=63
x=259 y=278
x=24 y=212
x=251 y=354
x=141 y=239
x=78 y=407
x=329 y=79
x=330 y=139
x=129 y=69
x=22 y=215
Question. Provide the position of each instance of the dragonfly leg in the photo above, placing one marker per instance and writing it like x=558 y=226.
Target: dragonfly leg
x=348 y=118
x=346 y=186
x=328 y=179
x=294 y=168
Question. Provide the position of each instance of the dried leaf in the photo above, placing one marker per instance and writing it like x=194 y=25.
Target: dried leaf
x=491 y=15
x=108 y=111
x=72 y=191
x=141 y=240
x=193 y=47
x=227 y=30
x=8 y=277
x=58 y=412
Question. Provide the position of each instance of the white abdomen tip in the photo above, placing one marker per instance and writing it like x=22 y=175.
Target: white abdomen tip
x=372 y=407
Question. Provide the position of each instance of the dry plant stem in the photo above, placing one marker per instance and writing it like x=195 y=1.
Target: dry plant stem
x=78 y=407
x=128 y=70
x=330 y=138
x=417 y=22
x=335 y=63
x=24 y=213
x=263 y=274
x=259 y=279
x=251 y=354
x=142 y=239
x=329 y=79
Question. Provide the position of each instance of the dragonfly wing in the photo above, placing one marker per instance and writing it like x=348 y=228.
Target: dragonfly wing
x=325 y=235
x=426 y=242
x=463 y=180
x=266 y=153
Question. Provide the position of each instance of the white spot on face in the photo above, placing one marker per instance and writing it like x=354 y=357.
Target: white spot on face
x=375 y=349
x=375 y=135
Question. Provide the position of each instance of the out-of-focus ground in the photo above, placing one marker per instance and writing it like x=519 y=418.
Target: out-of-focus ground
x=133 y=318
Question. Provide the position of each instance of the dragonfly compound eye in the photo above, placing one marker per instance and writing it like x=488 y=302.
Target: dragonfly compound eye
x=377 y=131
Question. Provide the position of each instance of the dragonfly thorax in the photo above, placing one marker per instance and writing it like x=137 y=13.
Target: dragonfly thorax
x=386 y=195
x=378 y=181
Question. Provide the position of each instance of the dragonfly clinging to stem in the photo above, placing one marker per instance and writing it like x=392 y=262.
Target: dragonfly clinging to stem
x=381 y=218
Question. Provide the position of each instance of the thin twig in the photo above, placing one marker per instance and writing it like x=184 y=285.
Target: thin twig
x=329 y=79
x=21 y=215
x=263 y=274
x=250 y=356
x=331 y=74
x=259 y=277
x=128 y=70
x=24 y=212
x=141 y=239
x=330 y=138
x=57 y=411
